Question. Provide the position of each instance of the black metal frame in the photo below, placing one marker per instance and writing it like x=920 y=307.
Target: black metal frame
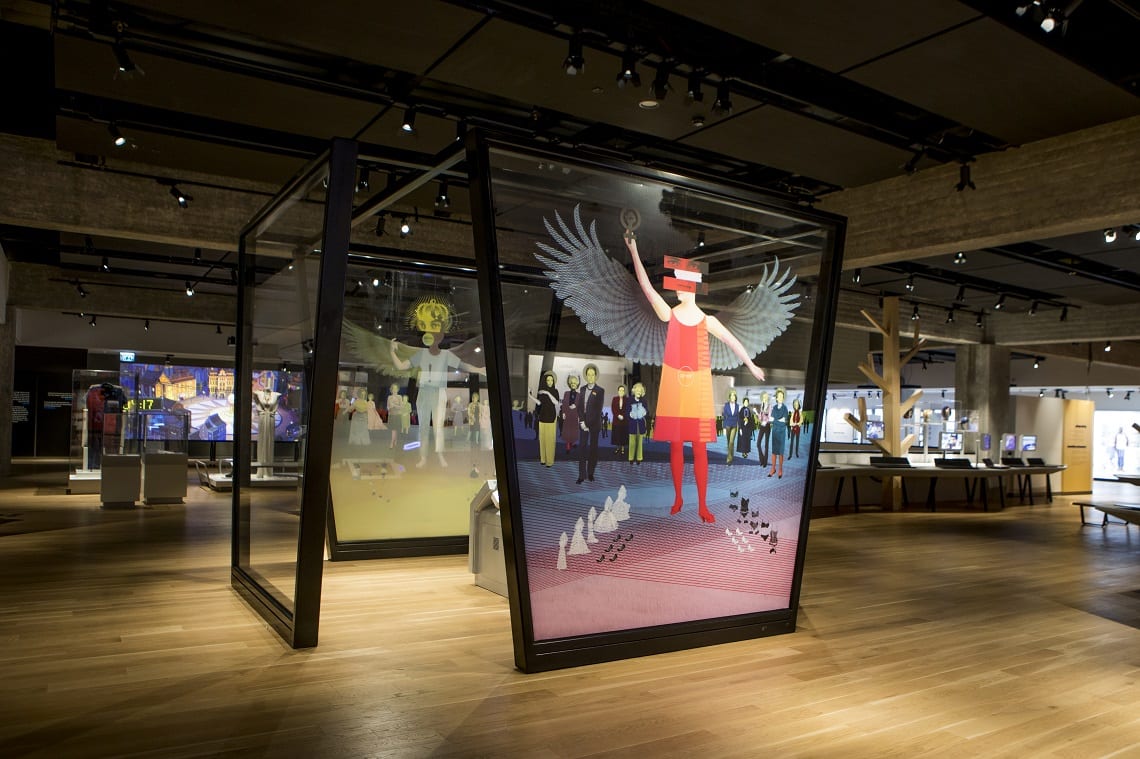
x=297 y=625
x=535 y=656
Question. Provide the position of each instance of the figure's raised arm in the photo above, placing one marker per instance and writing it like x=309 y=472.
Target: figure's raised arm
x=401 y=364
x=717 y=329
x=660 y=307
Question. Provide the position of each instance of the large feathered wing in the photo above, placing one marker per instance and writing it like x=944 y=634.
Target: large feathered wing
x=756 y=317
x=603 y=294
x=370 y=348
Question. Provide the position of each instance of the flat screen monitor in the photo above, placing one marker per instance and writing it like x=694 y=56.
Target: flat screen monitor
x=1008 y=443
x=950 y=441
x=874 y=430
x=1028 y=442
x=987 y=441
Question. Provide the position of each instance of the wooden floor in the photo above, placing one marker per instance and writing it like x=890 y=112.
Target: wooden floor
x=1010 y=634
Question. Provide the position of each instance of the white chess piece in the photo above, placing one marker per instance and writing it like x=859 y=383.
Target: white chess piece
x=590 y=538
x=578 y=544
x=606 y=521
x=562 y=551
x=621 y=508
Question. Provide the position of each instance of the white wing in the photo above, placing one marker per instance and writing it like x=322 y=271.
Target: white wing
x=756 y=318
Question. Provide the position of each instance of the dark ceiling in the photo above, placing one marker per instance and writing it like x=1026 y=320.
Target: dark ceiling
x=825 y=94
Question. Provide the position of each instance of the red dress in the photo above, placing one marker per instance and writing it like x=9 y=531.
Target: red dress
x=685 y=398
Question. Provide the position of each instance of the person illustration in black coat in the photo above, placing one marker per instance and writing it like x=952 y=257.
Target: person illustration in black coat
x=591 y=400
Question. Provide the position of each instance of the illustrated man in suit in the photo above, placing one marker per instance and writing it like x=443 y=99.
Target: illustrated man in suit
x=591 y=400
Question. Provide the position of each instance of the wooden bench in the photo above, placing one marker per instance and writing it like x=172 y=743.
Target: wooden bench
x=1126 y=512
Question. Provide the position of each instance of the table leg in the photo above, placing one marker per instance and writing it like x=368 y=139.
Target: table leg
x=839 y=493
x=930 y=494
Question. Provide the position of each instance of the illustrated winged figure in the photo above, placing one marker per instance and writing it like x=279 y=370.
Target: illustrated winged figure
x=633 y=319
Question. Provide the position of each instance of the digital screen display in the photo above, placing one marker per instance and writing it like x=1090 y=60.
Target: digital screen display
x=874 y=430
x=950 y=441
x=987 y=441
x=1008 y=443
x=1029 y=442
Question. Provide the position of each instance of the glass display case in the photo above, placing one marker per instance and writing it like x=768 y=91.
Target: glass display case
x=99 y=403
x=120 y=476
x=163 y=439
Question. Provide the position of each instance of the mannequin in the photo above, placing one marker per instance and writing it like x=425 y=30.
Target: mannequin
x=265 y=401
x=105 y=402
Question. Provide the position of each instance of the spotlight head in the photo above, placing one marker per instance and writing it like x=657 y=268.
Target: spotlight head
x=441 y=198
x=961 y=296
x=950 y=316
x=123 y=60
x=1000 y=302
x=1109 y=236
x=231 y=341
x=405 y=227
x=381 y=220
x=660 y=86
x=964 y=180
x=1109 y=392
x=189 y=289
x=700 y=239
x=1107 y=346
x=92 y=322
x=375 y=281
x=106 y=265
x=910 y=284
x=959 y=258
x=857 y=277
x=723 y=102
x=1033 y=309
x=362 y=184
x=1041 y=394
x=1064 y=313
x=79 y=289
x=914 y=314
x=1128 y=395
x=117 y=137
x=408 y=125
x=628 y=76
x=1036 y=363
x=217 y=329
x=146 y=325
x=978 y=321
x=1021 y=10
x=693 y=93
x=574 y=63
x=181 y=198
x=1048 y=23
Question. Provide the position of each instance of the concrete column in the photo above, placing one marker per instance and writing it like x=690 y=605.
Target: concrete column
x=7 y=379
x=981 y=386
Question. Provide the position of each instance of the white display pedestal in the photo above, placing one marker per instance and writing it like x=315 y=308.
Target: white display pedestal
x=121 y=480
x=164 y=477
x=486 y=558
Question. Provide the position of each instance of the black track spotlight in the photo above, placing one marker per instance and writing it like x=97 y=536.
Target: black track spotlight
x=1128 y=395
x=700 y=240
x=1134 y=230
x=1041 y=393
x=660 y=86
x=405 y=227
x=1000 y=302
x=1036 y=362
x=408 y=125
x=231 y=341
x=961 y=296
x=1108 y=346
x=79 y=289
x=693 y=92
x=914 y=314
x=441 y=198
x=92 y=322
x=1109 y=236
x=181 y=198
x=1021 y=10
x=964 y=180
x=1033 y=309
x=146 y=325
x=857 y=276
x=126 y=66
x=381 y=220
x=575 y=62
x=106 y=265
x=1109 y=393
x=950 y=316
x=375 y=281
x=978 y=322
x=189 y=289
x=363 y=182
x=959 y=258
x=117 y=137
x=1064 y=313
x=217 y=329
x=1049 y=23
x=911 y=166
x=723 y=102
x=628 y=76
x=910 y=284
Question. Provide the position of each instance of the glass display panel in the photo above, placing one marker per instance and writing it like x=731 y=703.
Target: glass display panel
x=98 y=401
x=411 y=436
x=1008 y=443
x=1116 y=444
x=639 y=510
x=282 y=267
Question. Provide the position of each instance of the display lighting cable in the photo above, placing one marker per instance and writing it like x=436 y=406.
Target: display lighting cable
x=408 y=125
x=117 y=137
x=575 y=62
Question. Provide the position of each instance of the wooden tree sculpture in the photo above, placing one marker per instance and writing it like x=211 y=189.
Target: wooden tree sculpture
x=890 y=383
